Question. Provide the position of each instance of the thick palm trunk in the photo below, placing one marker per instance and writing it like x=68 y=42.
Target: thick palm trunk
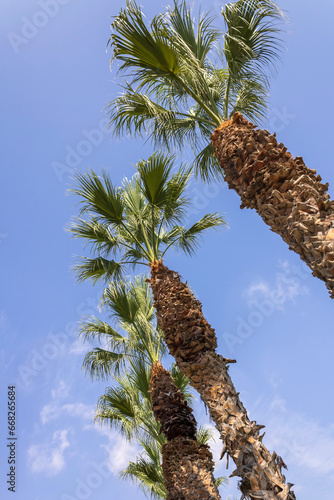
x=288 y=196
x=187 y=465
x=192 y=342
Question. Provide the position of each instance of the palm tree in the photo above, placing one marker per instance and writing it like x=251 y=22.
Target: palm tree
x=138 y=223
x=185 y=83
x=127 y=405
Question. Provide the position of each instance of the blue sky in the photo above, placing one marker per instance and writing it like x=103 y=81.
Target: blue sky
x=268 y=311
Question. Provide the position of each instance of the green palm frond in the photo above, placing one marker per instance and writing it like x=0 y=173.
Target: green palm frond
x=154 y=174
x=182 y=383
x=221 y=481
x=100 y=197
x=122 y=304
x=147 y=475
x=93 y=328
x=95 y=234
x=139 y=47
x=252 y=41
x=128 y=409
x=135 y=206
x=206 y=166
x=97 y=269
x=101 y=363
x=142 y=291
x=136 y=113
x=140 y=376
x=249 y=97
x=200 y=39
x=189 y=239
x=177 y=202
x=117 y=408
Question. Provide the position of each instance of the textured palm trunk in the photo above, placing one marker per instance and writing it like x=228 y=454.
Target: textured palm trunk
x=192 y=342
x=287 y=195
x=187 y=465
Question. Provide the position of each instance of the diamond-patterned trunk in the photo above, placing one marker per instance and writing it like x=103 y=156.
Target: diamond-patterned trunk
x=287 y=195
x=187 y=465
x=192 y=342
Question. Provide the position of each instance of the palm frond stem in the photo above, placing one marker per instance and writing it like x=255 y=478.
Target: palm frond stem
x=200 y=102
x=226 y=97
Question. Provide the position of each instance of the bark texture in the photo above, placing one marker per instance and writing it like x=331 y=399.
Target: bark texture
x=287 y=195
x=192 y=342
x=187 y=465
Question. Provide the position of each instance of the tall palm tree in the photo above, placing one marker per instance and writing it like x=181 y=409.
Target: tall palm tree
x=138 y=223
x=189 y=83
x=126 y=405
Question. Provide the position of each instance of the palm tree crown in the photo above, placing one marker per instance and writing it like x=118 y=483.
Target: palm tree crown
x=138 y=222
x=186 y=77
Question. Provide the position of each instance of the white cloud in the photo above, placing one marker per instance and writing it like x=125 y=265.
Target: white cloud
x=289 y=284
x=78 y=347
x=302 y=442
x=299 y=440
x=120 y=452
x=62 y=391
x=48 y=458
x=54 y=411
x=259 y=288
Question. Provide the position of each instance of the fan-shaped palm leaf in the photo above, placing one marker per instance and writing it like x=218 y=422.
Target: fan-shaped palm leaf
x=180 y=99
x=151 y=202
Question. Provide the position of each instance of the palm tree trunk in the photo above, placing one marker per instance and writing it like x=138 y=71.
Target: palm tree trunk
x=187 y=465
x=287 y=195
x=192 y=342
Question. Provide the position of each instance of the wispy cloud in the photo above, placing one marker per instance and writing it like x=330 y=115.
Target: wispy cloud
x=288 y=285
x=119 y=453
x=78 y=348
x=60 y=392
x=55 y=411
x=57 y=408
x=48 y=458
x=301 y=441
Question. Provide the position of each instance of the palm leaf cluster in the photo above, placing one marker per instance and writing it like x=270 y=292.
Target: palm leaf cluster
x=135 y=223
x=183 y=75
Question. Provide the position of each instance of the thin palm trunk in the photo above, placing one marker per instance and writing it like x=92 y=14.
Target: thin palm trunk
x=187 y=464
x=287 y=195
x=192 y=342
